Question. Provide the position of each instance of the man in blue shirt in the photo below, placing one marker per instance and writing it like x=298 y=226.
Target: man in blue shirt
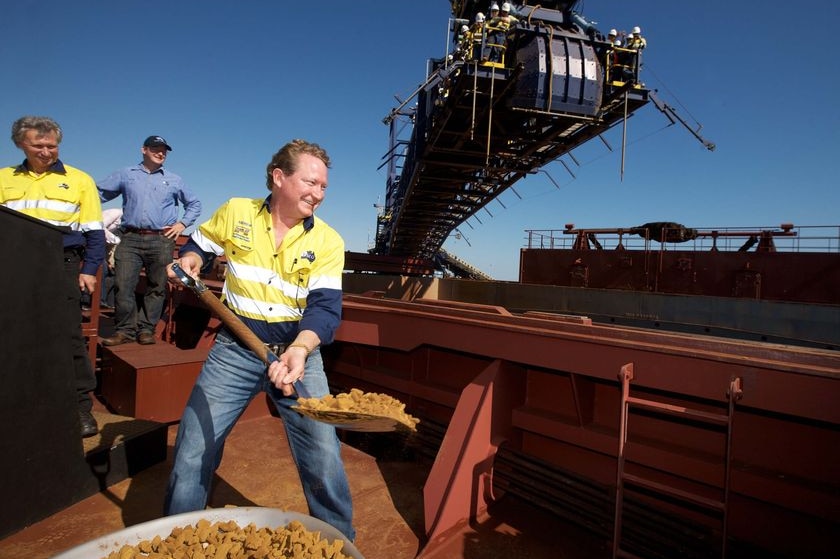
x=150 y=226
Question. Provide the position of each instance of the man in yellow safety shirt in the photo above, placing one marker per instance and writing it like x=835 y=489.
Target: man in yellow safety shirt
x=45 y=188
x=283 y=281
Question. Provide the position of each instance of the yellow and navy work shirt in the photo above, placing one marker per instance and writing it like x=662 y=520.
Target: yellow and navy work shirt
x=637 y=42
x=276 y=292
x=503 y=23
x=62 y=196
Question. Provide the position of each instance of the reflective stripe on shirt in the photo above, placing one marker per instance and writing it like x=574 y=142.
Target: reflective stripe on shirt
x=62 y=196
x=66 y=198
x=276 y=291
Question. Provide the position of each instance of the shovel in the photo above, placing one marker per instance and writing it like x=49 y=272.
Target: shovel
x=341 y=419
x=230 y=320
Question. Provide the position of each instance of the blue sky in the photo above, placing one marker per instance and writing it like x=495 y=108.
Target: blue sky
x=227 y=83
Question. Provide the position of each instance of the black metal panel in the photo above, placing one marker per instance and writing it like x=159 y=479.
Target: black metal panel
x=575 y=86
x=529 y=91
x=42 y=466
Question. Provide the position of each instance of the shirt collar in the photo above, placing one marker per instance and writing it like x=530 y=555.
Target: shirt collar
x=308 y=222
x=57 y=167
x=142 y=168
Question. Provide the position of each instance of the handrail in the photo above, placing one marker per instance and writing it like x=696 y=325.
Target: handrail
x=788 y=238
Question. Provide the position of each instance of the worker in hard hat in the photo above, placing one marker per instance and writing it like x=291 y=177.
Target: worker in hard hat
x=506 y=17
x=479 y=21
x=635 y=40
x=621 y=62
x=606 y=53
x=500 y=26
x=478 y=24
x=636 y=44
x=494 y=10
x=464 y=41
x=477 y=36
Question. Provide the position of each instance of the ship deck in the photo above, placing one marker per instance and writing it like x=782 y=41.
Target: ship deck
x=547 y=369
x=386 y=479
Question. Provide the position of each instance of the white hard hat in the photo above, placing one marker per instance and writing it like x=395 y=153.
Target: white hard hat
x=464 y=29
x=613 y=32
x=617 y=43
x=637 y=31
x=506 y=7
x=494 y=6
x=479 y=16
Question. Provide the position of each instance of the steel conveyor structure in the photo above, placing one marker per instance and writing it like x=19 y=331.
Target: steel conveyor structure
x=482 y=122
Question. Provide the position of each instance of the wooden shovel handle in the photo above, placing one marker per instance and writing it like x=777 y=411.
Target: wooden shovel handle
x=237 y=327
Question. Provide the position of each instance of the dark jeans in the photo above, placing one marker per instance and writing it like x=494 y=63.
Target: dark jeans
x=498 y=39
x=82 y=369
x=135 y=252
x=107 y=289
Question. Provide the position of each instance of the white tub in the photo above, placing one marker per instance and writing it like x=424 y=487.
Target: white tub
x=260 y=516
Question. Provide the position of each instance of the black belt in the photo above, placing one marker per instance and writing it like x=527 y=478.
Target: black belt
x=143 y=231
x=275 y=348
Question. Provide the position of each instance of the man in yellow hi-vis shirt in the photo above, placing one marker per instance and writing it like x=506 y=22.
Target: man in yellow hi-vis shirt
x=283 y=281
x=47 y=189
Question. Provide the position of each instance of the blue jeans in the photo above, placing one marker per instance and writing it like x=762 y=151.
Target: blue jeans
x=230 y=378
x=134 y=253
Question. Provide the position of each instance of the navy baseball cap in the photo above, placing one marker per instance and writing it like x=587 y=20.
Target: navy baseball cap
x=153 y=141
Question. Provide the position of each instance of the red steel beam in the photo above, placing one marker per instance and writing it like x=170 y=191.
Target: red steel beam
x=562 y=399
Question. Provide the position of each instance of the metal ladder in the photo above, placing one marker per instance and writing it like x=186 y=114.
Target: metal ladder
x=733 y=394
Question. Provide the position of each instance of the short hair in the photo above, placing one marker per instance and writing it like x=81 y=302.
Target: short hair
x=287 y=158
x=41 y=124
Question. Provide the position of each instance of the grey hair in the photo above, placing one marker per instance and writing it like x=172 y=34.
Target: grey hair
x=41 y=124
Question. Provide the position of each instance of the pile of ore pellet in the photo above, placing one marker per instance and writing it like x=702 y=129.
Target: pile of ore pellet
x=226 y=540
x=359 y=402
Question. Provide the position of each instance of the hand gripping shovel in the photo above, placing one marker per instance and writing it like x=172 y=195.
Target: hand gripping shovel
x=345 y=411
x=230 y=320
